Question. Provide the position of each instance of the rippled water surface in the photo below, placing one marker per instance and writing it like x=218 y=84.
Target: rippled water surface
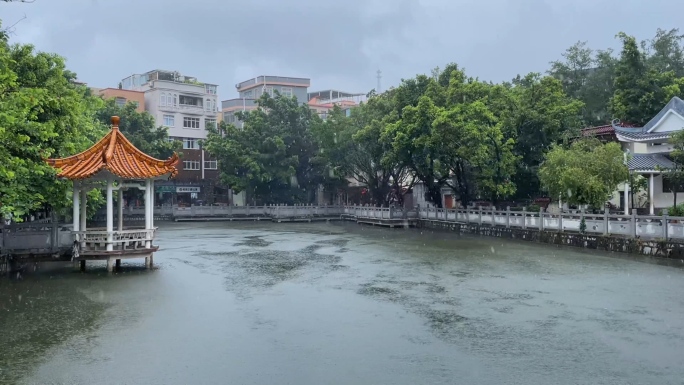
x=263 y=303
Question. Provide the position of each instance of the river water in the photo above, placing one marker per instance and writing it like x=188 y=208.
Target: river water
x=263 y=303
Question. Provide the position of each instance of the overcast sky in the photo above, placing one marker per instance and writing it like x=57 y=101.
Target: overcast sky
x=338 y=44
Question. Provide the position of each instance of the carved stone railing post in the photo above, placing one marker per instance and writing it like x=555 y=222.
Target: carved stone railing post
x=634 y=223
x=508 y=217
x=541 y=219
x=606 y=229
x=479 y=222
x=666 y=231
x=524 y=218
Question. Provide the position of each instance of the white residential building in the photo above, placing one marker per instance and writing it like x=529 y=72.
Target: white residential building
x=178 y=102
x=186 y=107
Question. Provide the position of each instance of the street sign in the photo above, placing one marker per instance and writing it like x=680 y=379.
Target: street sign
x=187 y=189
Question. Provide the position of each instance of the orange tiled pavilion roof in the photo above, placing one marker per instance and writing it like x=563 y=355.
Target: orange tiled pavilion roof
x=117 y=155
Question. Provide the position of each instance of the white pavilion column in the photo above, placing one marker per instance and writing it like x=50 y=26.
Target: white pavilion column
x=627 y=197
x=110 y=214
x=84 y=206
x=76 y=212
x=148 y=207
x=152 y=204
x=120 y=208
x=651 y=210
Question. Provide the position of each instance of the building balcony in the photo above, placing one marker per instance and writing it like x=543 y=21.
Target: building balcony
x=239 y=102
x=188 y=109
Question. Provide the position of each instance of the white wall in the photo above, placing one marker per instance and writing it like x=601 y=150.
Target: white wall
x=239 y=199
x=670 y=122
x=152 y=106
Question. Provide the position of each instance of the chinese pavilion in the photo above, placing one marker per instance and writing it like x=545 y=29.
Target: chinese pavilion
x=115 y=162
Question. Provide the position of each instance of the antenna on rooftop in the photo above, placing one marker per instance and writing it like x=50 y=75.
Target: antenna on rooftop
x=379 y=76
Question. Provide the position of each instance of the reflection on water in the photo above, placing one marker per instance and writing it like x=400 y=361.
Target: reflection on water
x=260 y=303
x=39 y=313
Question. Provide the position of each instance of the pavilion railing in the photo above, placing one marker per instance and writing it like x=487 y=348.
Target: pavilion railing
x=97 y=239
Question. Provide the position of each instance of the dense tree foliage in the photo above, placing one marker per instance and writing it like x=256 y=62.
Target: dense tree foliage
x=586 y=172
x=275 y=157
x=675 y=176
x=42 y=114
x=631 y=87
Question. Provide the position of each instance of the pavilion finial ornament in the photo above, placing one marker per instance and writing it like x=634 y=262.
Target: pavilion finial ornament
x=115 y=122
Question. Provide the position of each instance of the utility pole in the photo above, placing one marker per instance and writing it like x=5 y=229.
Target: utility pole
x=379 y=76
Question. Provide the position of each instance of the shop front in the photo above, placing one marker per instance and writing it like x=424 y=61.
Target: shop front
x=181 y=195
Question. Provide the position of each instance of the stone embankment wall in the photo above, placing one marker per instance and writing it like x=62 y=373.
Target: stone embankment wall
x=653 y=247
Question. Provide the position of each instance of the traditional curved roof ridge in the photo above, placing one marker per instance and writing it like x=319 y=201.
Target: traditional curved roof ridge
x=117 y=155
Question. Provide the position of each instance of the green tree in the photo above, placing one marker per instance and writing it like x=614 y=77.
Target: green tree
x=275 y=157
x=588 y=76
x=640 y=91
x=354 y=147
x=414 y=147
x=470 y=134
x=42 y=114
x=543 y=115
x=139 y=128
x=665 y=51
x=584 y=173
x=675 y=175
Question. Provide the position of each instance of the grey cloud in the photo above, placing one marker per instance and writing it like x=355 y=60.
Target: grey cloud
x=336 y=44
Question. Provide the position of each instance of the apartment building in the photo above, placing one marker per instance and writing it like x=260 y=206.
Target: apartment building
x=323 y=101
x=251 y=90
x=186 y=107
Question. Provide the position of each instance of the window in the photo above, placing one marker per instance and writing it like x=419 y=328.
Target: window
x=162 y=99
x=169 y=120
x=286 y=91
x=213 y=106
x=169 y=100
x=120 y=102
x=211 y=89
x=247 y=94
x=207 y=105
x=175 y=100
x=191 y=165
x=190 y=101
x=191 y=122
x=229 y=117
x=210 y=123
x=210 y=165
x=171 y=140
x=190 y=144
x=269 y=90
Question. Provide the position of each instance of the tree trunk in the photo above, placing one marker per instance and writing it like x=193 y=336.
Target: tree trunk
x=674 y=194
